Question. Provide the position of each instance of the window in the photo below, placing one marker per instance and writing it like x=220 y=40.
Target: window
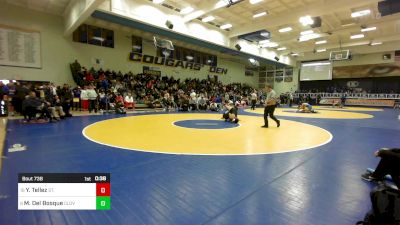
x=94 y=35
x=137 y=44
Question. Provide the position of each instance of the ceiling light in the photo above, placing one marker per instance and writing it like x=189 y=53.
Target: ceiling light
x=187 y=10
x=285 y=29
x=361 y=13
x=208 y=19
x=226 y=26
x=321 y=50
x=306 y=32
x=270 y=45
x=308 y=37
x=158 y=1
x=252 y=60
x=348 y=24
x=295 y=54
x=306 y=20
x=368 y=29
x=220 y=4
x=259 y=14
x=376 y=43
x=255 y=1
x=264 y=41
x=320 y=42
x=265 y=34
x=281 y=49
x=357 y=36
x=315 y=64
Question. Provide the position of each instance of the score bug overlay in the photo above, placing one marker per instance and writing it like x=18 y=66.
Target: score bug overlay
x=64 y=191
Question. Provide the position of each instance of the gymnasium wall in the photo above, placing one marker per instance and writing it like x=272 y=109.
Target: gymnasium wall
x=283 y=87
x=55 y=49
x=373 y=58
x=58 y=52
x=363 y=68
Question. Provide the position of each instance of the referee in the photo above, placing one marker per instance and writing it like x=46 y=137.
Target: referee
x=270 y=104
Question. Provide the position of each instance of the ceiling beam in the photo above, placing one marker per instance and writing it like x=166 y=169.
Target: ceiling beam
x=293 y=17
x=205 y=7
x=360 y=50
x=385 y=21
x=384 y=39
x=77 y=12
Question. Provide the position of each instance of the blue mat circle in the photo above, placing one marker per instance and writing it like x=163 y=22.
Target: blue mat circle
x=205 y=124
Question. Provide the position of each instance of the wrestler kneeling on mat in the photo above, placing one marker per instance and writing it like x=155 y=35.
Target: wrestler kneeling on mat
x=230 y=112
x=305 y=108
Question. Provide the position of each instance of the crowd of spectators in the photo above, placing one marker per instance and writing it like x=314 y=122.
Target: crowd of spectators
x=115 y=90
x=28 y=99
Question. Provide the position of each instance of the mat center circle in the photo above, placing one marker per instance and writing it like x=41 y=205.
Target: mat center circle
x=205 y=124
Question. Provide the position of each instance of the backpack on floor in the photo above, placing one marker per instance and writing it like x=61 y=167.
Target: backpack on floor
x=385 y=207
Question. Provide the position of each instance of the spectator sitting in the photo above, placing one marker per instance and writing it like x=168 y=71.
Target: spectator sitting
x=214 y=107
x=129 y=103
x=202 y=103
x=33 y=105
x=66 y=99
x=184 y=103
x=56 y=107
x=389 y=164
x=165 y=103
x=148 y=100
x=119 y=106
x=243 y=102
x=172 y=102
x=218 y=100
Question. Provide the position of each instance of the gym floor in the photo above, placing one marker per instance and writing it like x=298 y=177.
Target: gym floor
x=193 y=168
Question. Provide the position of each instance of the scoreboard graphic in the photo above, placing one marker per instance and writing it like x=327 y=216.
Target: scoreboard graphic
x=64 y=191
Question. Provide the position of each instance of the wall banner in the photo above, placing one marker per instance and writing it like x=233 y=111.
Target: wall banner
x=360 y=102
x=161 y=61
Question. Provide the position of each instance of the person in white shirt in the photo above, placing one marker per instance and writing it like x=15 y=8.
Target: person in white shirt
x=84 y=99
x=202 y=103
x=253 y=100
x=128 y=101
x=193 y=101
x=270 y=105
x=92 y=96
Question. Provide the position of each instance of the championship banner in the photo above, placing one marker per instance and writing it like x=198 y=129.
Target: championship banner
x=360 y=102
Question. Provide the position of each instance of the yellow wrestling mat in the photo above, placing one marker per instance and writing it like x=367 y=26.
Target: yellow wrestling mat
x=323 y=114
x=205 y=134
x=365 y=109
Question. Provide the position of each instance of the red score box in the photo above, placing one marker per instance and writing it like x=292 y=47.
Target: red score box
x=103 y=189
